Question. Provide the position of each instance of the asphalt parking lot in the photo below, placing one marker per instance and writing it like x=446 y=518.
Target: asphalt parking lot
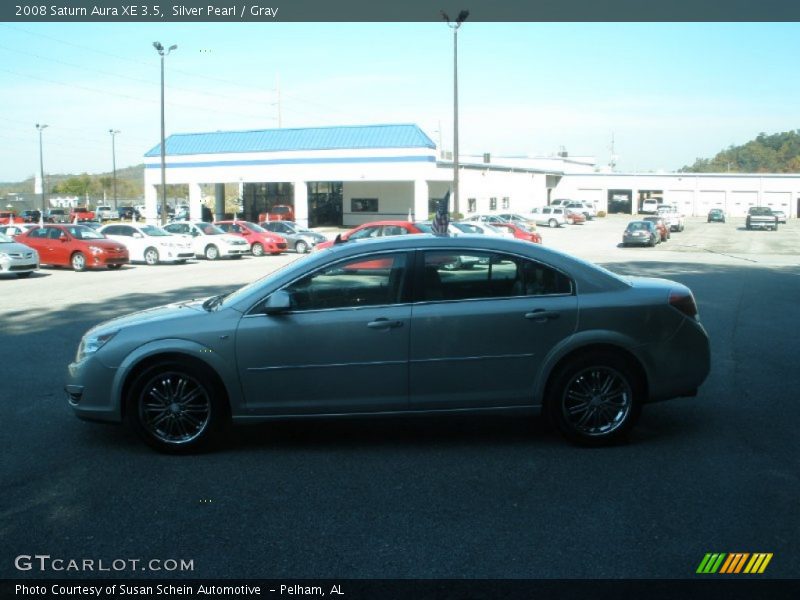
x=420 y=498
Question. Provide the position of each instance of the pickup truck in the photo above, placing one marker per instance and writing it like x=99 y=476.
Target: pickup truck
x=82 y=213
x=761 y=217
x=106 y=213
x=675 y=220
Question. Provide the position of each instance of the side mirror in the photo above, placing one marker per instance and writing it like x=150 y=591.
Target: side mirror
x=279 y=302
x=195 y=233
x=63 y=237
x=138 y=236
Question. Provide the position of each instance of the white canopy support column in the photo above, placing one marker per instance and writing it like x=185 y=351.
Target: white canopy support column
x=151 y=207
x=421 y=211
x=301 y=203
x=195 y=202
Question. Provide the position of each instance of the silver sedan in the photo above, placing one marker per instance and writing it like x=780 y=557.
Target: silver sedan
x=16 y=258
x=385 y=327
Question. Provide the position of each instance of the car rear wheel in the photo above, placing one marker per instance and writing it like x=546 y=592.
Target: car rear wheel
x=257 y=249
x=552 y=223
x=211 y=252
x=151 y=256
x=175 y=408
x=595 y=399
x=301 y=247
x=78 y=262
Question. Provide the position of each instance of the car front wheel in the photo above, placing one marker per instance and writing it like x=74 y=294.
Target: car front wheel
x=595 y=399
x=151 y=256
x=78 y=262
x=175 y=408
x=212 y=252
x=552 y=223
x=301 y=247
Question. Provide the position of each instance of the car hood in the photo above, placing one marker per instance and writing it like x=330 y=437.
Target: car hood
x=170 y=312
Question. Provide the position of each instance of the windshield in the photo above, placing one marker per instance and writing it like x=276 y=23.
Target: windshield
x=153 y=231
x=209 y=229
x=82 y=232
x=253 y=227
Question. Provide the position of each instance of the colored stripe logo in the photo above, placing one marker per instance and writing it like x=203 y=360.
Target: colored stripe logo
x=734 y=563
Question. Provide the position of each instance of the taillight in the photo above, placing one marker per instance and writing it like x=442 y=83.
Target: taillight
x=684 y=302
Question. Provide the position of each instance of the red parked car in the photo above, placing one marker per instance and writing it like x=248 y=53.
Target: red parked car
x=261 y=241
x=82 y=213
x=575 y=217
x=661 y=225
x=76 y=246
x=520 y=232
x=376 y=229
x=279 y=212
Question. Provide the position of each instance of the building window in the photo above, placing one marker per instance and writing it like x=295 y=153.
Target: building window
x=363 y=205
x=471 y=205
x=506 y=204
x=492 y=203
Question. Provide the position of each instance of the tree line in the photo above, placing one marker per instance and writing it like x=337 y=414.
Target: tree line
x=776 y=153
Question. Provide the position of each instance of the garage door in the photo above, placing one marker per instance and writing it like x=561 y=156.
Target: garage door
x=594 y=195
x=708 y=199
x=778 y=201
x=682 y=199
x=739 y=202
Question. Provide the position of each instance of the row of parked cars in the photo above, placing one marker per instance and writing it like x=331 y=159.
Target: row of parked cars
x=93 y=245
x=655 y=228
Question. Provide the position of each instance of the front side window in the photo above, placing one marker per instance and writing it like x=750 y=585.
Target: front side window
x=366 y=232
x=476 y=275
x=365 y=281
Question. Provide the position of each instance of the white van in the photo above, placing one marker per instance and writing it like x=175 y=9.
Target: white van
x=649 y=206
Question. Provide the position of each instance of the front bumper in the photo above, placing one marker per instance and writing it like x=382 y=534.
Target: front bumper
x=88 y=391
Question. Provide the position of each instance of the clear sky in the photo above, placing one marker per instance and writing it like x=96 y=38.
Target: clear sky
x=668 y=93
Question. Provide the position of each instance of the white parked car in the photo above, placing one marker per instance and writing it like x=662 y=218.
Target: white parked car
x=649 y=206
x=210 y=241
x=550 y=216
x=16 y=258
x=674 y=219
x=477 y=228
x=150 y=244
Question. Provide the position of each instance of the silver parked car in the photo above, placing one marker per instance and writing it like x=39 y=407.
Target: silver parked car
x=298 y=238
x=385 y=326
x=17 y=258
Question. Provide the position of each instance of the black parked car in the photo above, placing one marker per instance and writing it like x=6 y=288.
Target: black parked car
x=128 y=213
x=716 y=214
x=31 y=216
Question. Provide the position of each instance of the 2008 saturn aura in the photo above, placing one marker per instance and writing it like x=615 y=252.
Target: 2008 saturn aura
x=410 y=324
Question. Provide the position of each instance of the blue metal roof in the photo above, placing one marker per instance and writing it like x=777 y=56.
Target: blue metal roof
x=357 y=137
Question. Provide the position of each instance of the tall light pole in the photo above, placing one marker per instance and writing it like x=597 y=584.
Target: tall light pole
x=113 y=133
x=41 y=127
x=160 y=49
x=454 y=25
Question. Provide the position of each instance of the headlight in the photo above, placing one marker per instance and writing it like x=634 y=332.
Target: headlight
x=4 y=256
x=92 y=343
x=95 y=249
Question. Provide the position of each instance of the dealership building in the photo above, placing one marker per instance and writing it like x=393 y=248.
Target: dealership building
x=347 y=175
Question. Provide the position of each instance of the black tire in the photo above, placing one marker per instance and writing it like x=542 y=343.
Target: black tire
x=151 y=256
x=257 y=249
x=176 y=408
x=211 y=252
x=552 y=223
x=78 y=262
x=595 y=399
x=301 y=247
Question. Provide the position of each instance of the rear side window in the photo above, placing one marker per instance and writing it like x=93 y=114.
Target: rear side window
x=479 y=275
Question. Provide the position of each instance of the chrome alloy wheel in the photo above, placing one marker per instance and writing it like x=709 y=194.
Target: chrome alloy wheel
x=597 y=401
x=174 y=408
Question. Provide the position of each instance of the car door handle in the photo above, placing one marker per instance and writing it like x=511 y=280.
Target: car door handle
x=542 y=315
x=384 y=324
